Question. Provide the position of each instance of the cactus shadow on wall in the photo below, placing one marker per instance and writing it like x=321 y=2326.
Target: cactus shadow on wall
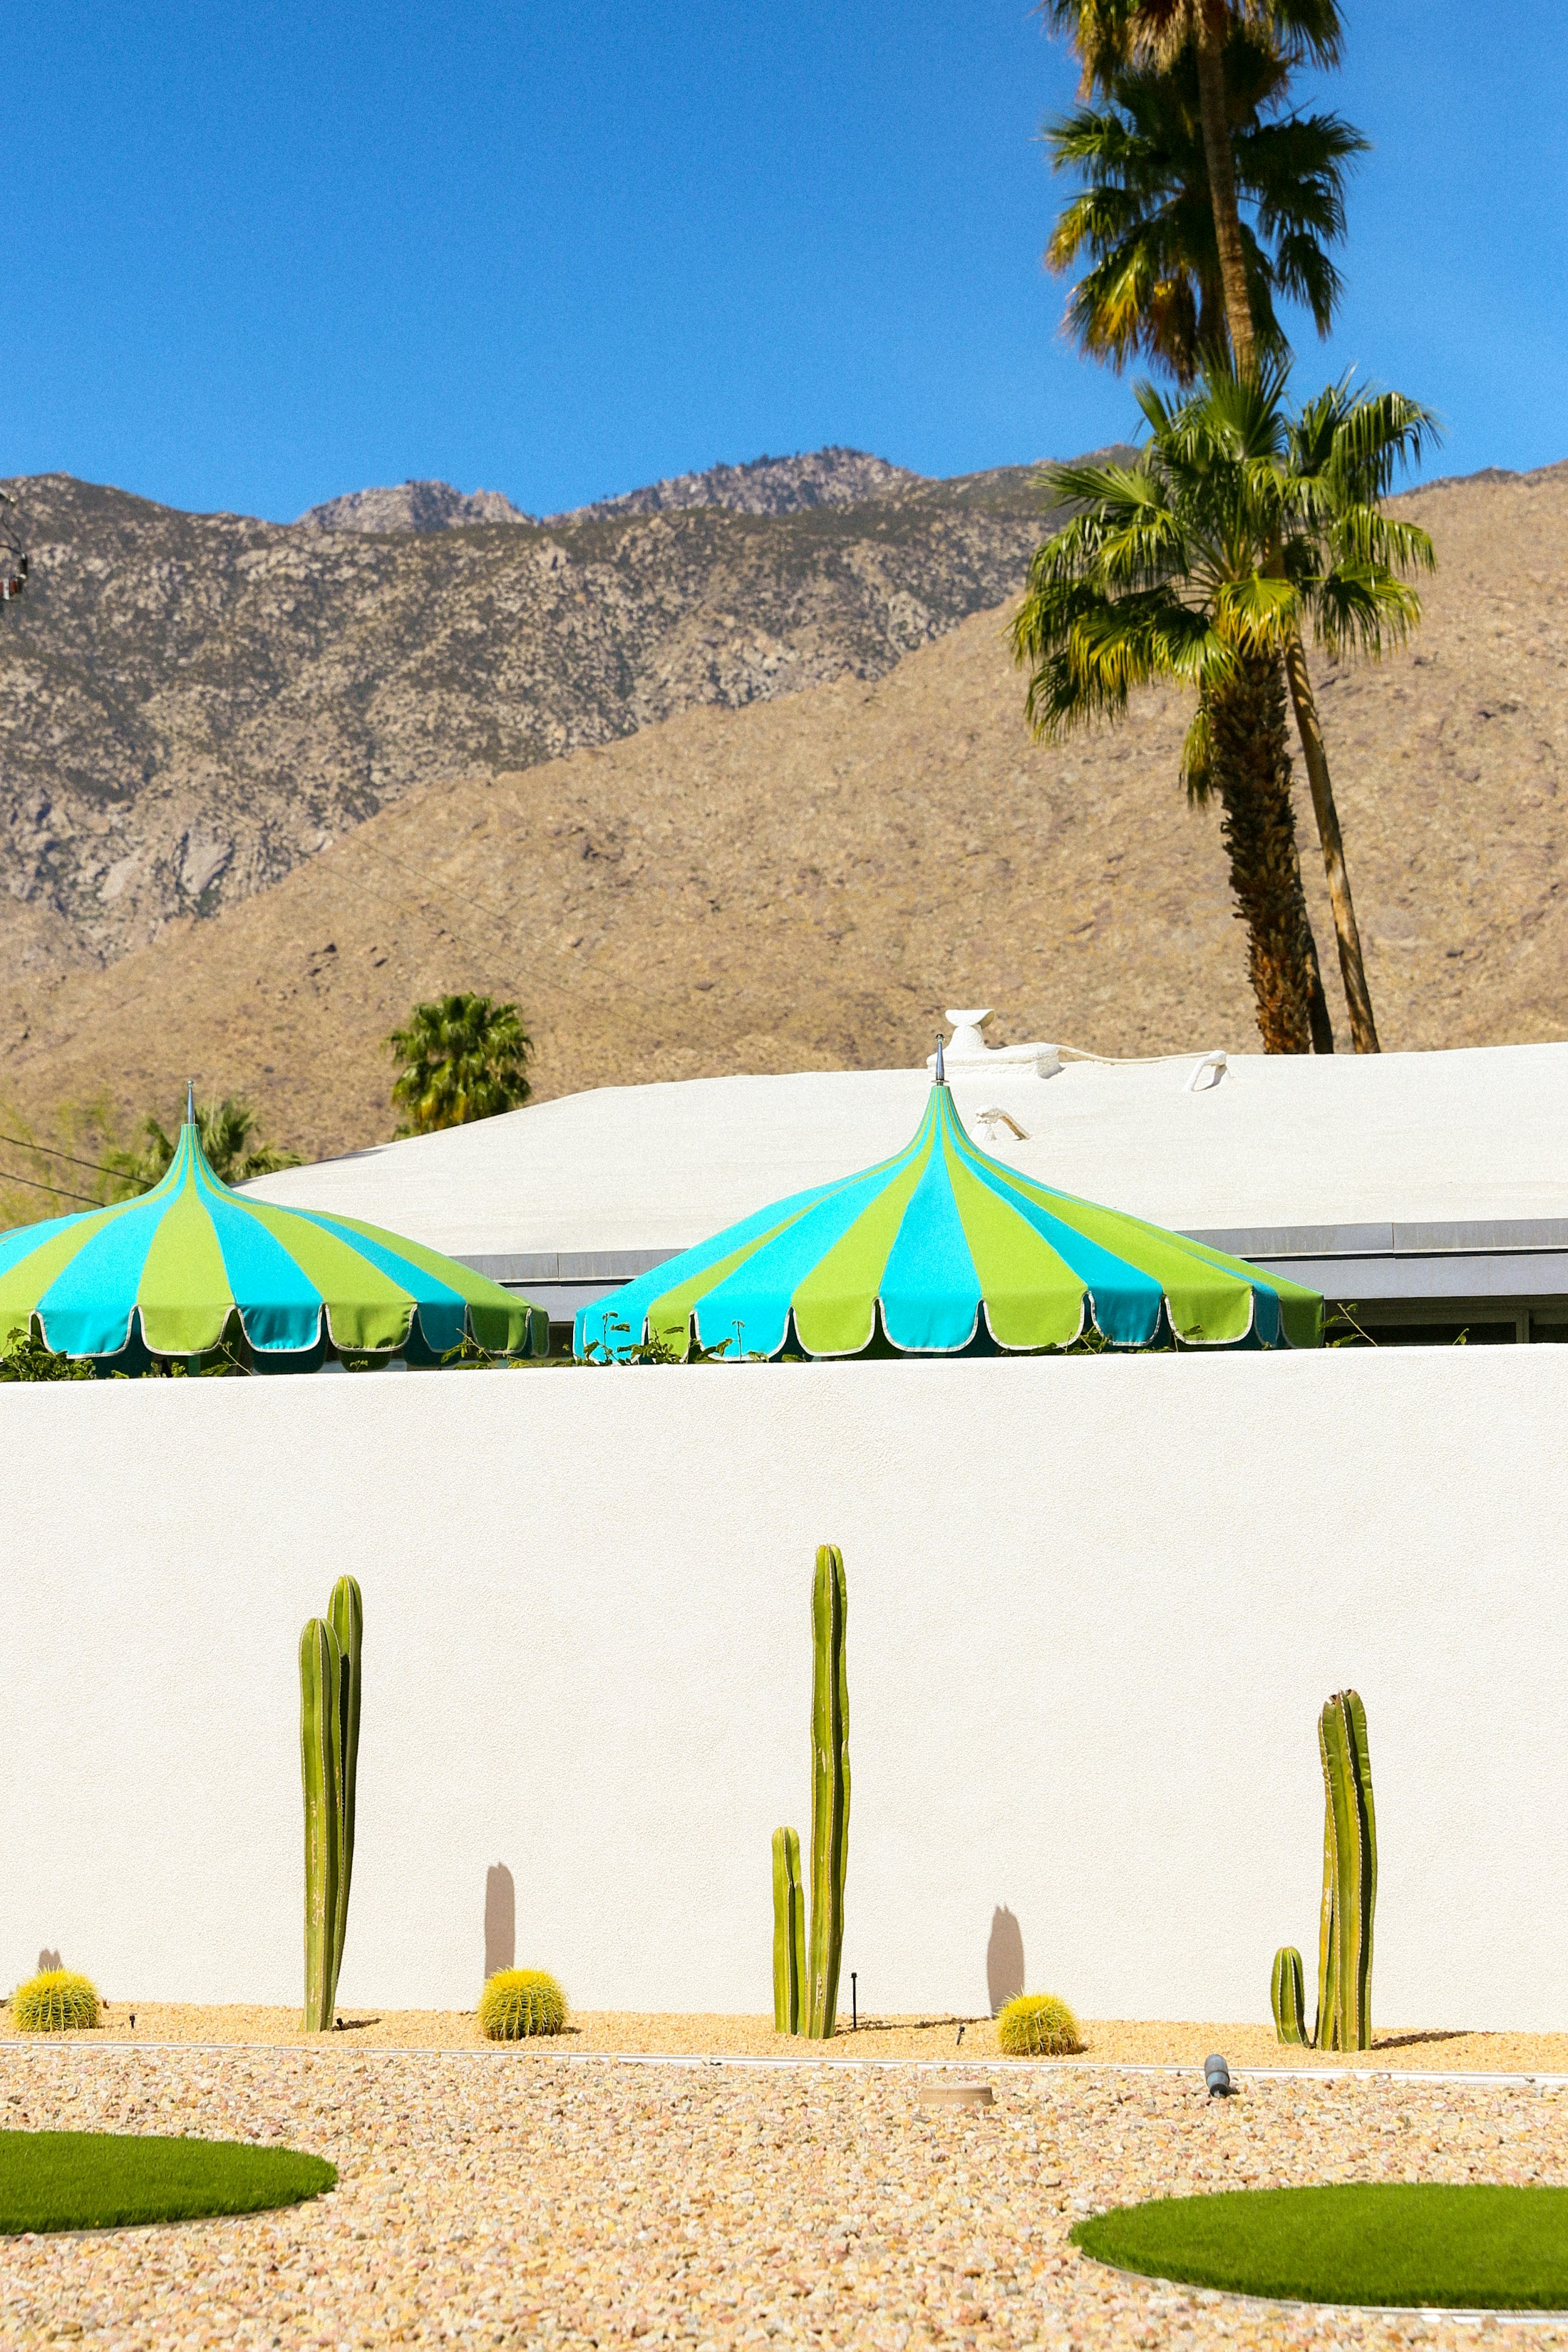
x=1004 y=1959
x=501 y=1920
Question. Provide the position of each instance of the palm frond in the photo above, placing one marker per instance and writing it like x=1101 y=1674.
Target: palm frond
x=1360 y=608
x=1257 y=613
x=1196 y=771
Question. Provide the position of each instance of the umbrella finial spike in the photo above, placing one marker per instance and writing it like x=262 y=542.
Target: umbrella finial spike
x=941 y=1071
x=190 y=1102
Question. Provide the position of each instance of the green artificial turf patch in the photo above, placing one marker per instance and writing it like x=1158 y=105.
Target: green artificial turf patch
x=1469 y=2248
x=95 y=2180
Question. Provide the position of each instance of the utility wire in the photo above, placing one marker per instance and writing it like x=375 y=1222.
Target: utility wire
x=49 y=1152
x=58 y=1190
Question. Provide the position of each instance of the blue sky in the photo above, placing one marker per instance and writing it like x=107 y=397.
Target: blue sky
x=254 y=256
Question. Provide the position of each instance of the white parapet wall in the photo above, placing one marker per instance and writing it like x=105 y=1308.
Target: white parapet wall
x=1094 y=1605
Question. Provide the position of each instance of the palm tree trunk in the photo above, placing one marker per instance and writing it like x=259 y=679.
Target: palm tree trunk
x=1251 y=772
x=1358 y=996
x=1318 y=1017
x=1208 y=36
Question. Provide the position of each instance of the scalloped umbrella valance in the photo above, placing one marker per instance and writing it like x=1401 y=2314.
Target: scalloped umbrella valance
x=166 y=1275
x=939 y=1249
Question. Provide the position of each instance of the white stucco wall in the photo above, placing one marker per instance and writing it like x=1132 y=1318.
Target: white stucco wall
x=1094 y=1605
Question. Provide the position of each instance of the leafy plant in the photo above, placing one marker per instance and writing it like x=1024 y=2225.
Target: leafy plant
x=463 y=1057
x=1350 y=1895
x=58 y=2001
x=518 y=2003
x=1037 y=2025
x=24 y=1356
x=329 y=1650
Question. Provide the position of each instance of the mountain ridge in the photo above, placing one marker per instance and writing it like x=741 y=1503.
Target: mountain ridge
x=192 y=705
x=806 y=882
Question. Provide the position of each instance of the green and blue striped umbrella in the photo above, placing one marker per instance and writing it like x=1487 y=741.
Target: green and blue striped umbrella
x=167 y=1274
x=939 y=1249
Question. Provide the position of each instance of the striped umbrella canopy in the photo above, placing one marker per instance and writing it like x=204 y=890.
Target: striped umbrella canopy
x=939 y=1249
x=168 y=1274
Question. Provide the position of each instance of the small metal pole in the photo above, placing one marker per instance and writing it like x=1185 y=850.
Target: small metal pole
x=854 y=2006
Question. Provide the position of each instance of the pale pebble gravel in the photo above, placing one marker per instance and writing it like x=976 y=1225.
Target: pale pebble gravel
x=503 y=2197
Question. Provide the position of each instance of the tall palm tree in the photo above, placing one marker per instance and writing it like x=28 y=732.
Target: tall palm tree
x=1239 y=528
x=1144 y=219
x=464 y=1057
x=1111 y=35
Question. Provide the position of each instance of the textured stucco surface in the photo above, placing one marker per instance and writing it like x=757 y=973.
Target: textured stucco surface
x=1094 y=1605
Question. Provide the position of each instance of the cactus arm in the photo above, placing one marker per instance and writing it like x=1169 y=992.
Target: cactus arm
x=788 y=1932
x=829 y=1789
x=1287 y=1995
x=321 y=1670
x=346 y=1616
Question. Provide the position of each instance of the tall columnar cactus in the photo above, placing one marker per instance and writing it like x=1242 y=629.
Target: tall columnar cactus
x=321 y=1765
x=347 y=1617
x=789 y=1932
x=829 y=1790
x=329 y=1759
x=1349 y=1894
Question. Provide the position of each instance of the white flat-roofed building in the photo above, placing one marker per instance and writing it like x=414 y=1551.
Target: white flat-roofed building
x=1428 y=1190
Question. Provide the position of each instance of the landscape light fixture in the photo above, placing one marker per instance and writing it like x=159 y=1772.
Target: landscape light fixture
x=1217 y=2074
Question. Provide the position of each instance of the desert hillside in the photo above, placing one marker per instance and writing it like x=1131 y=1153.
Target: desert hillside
x=807 y=882
x=191 y=705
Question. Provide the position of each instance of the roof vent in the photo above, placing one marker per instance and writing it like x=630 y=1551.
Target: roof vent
x=967 y=1052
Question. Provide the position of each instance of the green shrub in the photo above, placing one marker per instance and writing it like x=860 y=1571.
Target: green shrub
x=1039 y=2025
x=25 y=1356
x=519 y=2001
x=57 y=2003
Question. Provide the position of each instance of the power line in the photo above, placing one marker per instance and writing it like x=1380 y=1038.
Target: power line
x=58 y=1192
x=49 y=1152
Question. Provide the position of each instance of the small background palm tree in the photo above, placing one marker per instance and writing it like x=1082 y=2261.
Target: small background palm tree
x=1241 y=528
x=234 y=1150
x=463 y=1057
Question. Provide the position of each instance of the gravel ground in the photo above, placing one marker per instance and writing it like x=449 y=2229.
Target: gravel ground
x=1115 y=2040
x=512 y=2197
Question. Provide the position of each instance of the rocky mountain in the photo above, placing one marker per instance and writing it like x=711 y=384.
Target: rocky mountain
x=192 y=705
x=412 y=506
x=768 y=486
x=833 y=477
x=806 y=882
